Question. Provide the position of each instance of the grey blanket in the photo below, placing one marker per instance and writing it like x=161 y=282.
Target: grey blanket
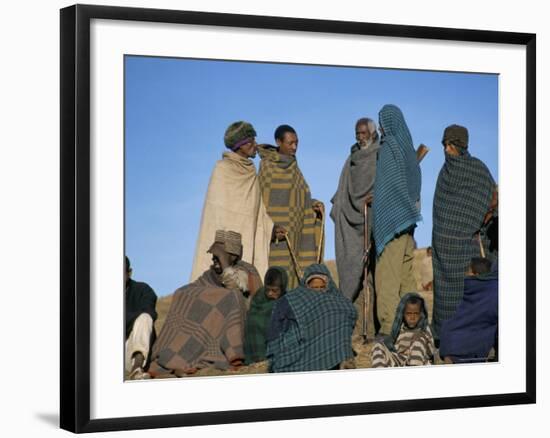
x=356 y=182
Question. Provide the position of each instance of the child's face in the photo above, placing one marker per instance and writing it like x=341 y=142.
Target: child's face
x=412 y=315
x=273 y=292
x=317 y=284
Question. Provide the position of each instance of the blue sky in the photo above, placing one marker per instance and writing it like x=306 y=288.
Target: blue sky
x=177 y=110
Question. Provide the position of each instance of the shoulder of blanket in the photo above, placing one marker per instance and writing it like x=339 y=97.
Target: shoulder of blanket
x=268 y=152
x=476 y=162
x=142 y=288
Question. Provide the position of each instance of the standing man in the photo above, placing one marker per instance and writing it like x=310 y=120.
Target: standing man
x=234 y=202
x=396 y=210
x=140 y=315
x=355 y=190
x=288 y=201
x=464 y=202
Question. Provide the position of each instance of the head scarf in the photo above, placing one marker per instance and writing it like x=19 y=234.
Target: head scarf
x=400 y=313
x=456 y=135
x=238 y=134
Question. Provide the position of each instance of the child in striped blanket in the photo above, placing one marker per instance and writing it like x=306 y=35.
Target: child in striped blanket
x=411 y=342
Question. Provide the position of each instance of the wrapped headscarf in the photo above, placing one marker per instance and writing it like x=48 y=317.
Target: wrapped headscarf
x=456 y=135
x=238 y=134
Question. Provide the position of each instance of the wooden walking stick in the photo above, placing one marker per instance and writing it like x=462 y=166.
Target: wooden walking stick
x=319 y=250
x=366 y=291
x=421 y=152
x=297 y=268
x=481 y=249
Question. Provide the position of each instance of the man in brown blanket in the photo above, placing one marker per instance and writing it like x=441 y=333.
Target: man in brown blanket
x=204 y=327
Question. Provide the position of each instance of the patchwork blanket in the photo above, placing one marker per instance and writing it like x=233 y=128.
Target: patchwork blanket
x=287 y=198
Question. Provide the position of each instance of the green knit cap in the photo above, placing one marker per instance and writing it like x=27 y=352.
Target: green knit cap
x=456 y=135
x=236 y=133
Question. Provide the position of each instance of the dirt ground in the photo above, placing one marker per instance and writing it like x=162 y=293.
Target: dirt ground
x=362 y=359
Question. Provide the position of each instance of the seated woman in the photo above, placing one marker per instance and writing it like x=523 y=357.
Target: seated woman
x=311 y=326
x=471 y=333
x=259 y=314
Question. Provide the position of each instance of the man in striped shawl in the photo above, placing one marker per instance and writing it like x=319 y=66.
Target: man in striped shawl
x=311 y=326
x=411 y=342
x=463 y=201
x=396 y=210
x=298 y=233
x=354 y=193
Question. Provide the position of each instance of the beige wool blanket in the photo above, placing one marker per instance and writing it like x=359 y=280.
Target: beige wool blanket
x=234 y=202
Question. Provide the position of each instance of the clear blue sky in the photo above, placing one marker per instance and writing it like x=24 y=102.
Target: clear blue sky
x=176 y=112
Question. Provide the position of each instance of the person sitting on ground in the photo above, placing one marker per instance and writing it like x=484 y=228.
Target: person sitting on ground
x=204 y=327
x=311 y=326
x=411 y=342
x=471 y=333
x=259 y=314
x=140 y=316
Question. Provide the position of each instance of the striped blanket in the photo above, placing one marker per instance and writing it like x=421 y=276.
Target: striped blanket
x=412 y=348
x=317 y=328
x=462 y=198
x=405 y=346
x=398 y=180
x=356 y=182
x=288 y=201
x=204 y=328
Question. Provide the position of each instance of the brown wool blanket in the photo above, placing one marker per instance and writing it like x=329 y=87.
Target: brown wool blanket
x=204 y=327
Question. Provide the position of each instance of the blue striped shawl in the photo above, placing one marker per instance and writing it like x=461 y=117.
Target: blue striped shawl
x=398 y=180
x=462 y=197
x=319 y=334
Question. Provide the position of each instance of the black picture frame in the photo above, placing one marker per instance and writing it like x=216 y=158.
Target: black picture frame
x=75 y=216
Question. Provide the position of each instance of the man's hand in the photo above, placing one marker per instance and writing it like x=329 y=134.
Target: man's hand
x=278 y=234
x=319 y=209
x=369 y=199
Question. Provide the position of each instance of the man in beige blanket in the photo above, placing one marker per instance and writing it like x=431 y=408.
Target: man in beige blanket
x=234 y=202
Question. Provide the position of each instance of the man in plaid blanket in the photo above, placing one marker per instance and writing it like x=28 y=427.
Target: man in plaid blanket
x=311 y=326
x=204 y=327
x=465 y=200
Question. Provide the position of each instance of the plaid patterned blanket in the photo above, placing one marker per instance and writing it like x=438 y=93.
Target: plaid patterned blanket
x=356 y=182
x=319 y=334
x=398 y=180
x=288 y=201
x=462 y=198
x=204 y=328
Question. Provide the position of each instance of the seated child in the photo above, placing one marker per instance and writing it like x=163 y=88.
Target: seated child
x=311 y=326
x=259 y=314
x=411 y=341
x=471 y=333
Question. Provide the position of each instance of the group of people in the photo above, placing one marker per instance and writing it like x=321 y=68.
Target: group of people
x=259 y=289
